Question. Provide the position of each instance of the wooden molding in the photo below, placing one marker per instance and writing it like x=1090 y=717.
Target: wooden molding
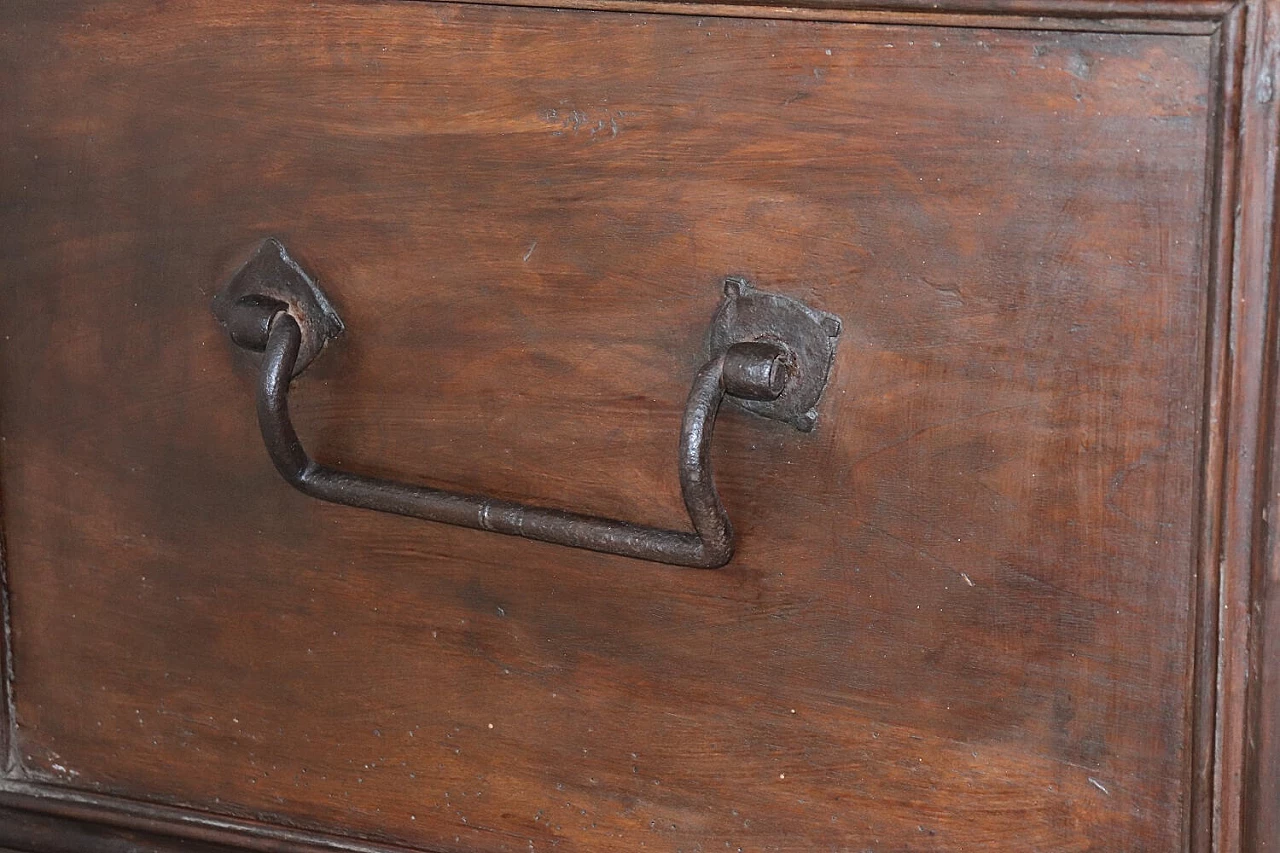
x=1165 y=16
x=45 y=818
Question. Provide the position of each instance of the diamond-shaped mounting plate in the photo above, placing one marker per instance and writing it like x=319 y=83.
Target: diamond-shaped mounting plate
x=808 y=335
x=271 y=274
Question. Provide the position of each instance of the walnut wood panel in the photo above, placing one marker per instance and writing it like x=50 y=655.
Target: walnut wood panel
x=963 y=614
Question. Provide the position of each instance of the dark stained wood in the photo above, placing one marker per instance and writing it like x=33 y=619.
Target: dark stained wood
x=34 y=833
x=1244 y=794
x=1261 y=820
x=40 y=817
x=976 y=609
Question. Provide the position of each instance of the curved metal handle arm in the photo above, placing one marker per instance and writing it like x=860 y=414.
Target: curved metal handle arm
x=710 y=546
x=273 y=307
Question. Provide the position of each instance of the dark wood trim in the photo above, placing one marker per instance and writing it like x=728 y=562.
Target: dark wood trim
x=1221 y=188
x=1248 y=753
x=1198 y=17
x=1249 y=427
x=1208 y=11
x=33 y=832
x=1261 y=830
x=98 y=821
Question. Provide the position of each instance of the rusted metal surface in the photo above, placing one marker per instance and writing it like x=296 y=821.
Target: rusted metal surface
x=272 y=277
x=273 y=307
x=808 y=336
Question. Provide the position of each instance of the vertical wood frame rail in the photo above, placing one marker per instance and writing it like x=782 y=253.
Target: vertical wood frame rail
x=1234 y=749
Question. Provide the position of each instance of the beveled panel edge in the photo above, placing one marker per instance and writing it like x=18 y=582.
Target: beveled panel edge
x=1161 y=17
x=1235 y=629
x=97 y=817
x=1222 y=187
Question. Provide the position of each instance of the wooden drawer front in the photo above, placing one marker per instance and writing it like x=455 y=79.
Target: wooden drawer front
x=962 y=613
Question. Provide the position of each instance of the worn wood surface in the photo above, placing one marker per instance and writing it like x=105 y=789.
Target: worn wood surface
x=36 y=833
x=54 y=818
x=963 y=615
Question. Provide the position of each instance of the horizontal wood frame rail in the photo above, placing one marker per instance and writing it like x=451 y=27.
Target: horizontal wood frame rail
x=1192 y=17
x=114 y=813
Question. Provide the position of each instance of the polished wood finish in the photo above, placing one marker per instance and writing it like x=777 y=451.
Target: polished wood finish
x=1014 y=593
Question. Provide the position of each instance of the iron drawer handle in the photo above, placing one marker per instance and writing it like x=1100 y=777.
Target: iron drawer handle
x=272 y=306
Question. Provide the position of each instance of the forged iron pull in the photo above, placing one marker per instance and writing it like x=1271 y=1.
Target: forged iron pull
x=273 y=307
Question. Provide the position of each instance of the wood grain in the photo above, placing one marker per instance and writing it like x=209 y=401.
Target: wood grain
x=1247 y=784
x=963 y=612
